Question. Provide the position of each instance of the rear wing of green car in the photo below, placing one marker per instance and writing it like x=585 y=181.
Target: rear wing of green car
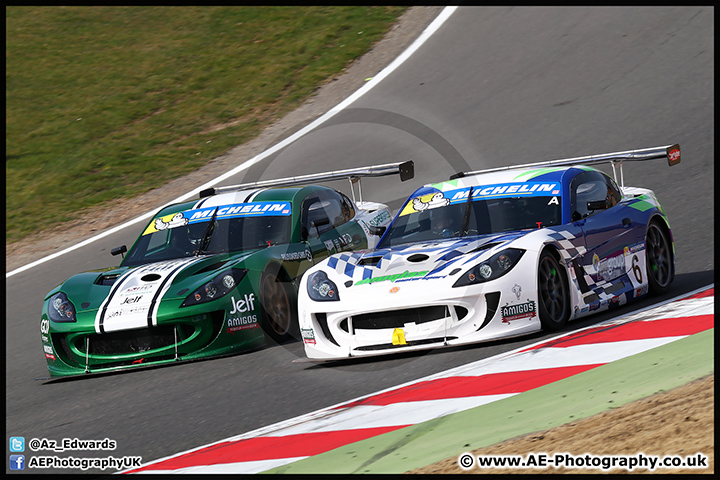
x=669 y=152
x=406 y=170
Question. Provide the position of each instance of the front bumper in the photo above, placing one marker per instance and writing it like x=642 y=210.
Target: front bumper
x=399 y=322
x=186 y=338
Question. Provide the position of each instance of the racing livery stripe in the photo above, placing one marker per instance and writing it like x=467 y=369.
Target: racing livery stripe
x=134 y=275
x=448 y=392
x=154 y=305
x=253 y=194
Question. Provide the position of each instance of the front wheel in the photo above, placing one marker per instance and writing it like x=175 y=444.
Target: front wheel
x=280 y=308
x=659 y=259
x=554 y=304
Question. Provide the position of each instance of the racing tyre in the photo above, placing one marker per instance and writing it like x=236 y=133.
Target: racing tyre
x=659 y=259
x=279 y=306
x=553 y=298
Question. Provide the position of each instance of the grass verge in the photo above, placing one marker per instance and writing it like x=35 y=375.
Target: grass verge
x=111 y=102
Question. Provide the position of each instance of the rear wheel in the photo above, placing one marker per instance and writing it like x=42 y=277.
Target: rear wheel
x=659 y=259
x=279 y=306
x=554 y=303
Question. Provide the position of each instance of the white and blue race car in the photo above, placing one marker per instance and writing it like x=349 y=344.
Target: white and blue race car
x=493 y=254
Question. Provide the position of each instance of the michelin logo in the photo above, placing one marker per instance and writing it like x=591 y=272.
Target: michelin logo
x=526 y=188
x=437 y=200
x=178 y=220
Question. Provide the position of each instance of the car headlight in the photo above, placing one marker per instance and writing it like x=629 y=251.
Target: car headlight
x=492 y=268
x=60 y=309
x=321 y=288
x=216 y=288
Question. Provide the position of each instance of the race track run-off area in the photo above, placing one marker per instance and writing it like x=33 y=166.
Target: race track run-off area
x=481 y=403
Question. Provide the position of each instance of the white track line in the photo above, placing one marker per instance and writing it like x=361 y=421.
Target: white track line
x=427 y=33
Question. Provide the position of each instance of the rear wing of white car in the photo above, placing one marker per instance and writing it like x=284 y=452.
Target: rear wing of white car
x=406 y=170
x=670 y=152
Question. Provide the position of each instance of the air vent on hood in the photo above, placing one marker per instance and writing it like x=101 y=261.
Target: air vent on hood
x=107 y=280
x=484 y=246
x=418 y=257
x=372 y=261
x=150 y=277
x=210 y=268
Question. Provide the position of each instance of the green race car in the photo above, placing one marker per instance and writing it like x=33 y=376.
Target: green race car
x=209 y=277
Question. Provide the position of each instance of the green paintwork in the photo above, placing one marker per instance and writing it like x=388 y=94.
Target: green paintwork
x=197 y=331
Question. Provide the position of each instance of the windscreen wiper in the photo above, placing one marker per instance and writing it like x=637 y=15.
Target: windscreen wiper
x=466 y=216
x=208 y=233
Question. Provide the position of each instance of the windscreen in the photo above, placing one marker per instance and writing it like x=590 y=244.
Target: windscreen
x=490 y=209
x=222 y=229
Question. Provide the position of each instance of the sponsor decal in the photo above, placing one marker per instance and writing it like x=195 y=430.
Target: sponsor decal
x=639 y=292
x=636 y=248
x=517 y=290
x=138 y=289
x=176 y=220
x=48 y=349
x=394 y=289
x=246 y=304
x=134 y=299
x=236 y=210
x=508 y=189
x=339 y=244
x=428 y=202
x=611 y=267
x=329 y=246
x=51 y=357
x=132 y=310
x=518 y=311
x=308 y=335
x=629 y=250
x=242 y=323
x=393 y=278
x=381 y=218
x=674 y=155
x=45 y=326
x=304 y=255
x=434 y=277
x=482 y=192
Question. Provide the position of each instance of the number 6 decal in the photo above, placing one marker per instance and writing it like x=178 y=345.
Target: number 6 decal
x=636 y=269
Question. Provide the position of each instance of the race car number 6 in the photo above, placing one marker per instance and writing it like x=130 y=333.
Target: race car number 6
x=636 y=269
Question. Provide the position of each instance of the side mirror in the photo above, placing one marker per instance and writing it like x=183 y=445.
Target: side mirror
x=119 y=251
x=375 y=230
x=598 y=205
